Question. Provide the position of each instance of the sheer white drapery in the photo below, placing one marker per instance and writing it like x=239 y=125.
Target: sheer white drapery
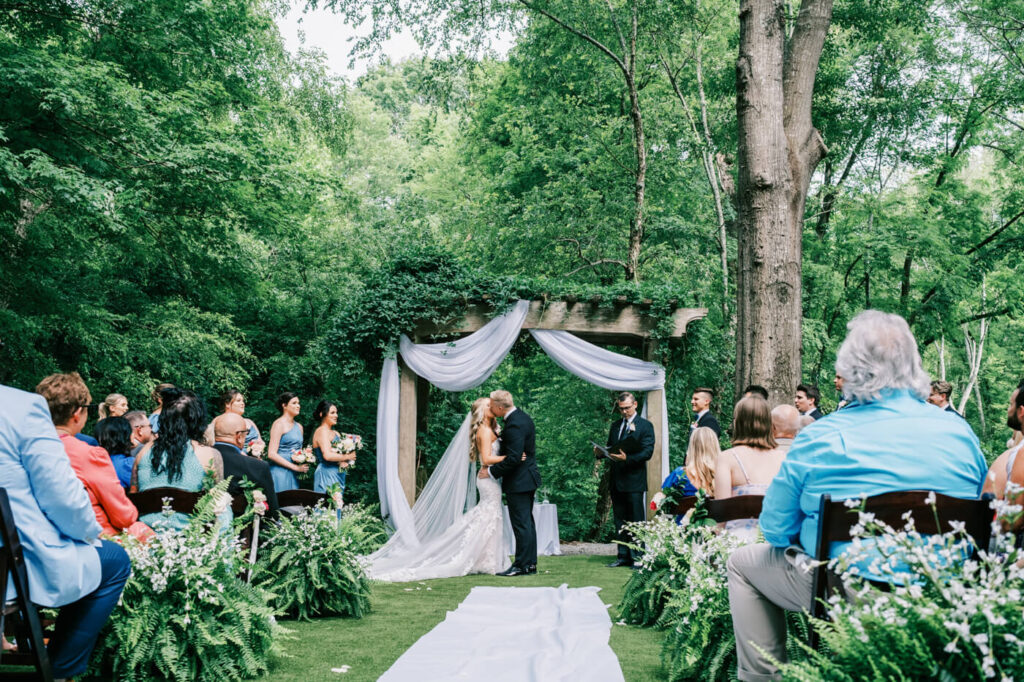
x=601 y=367
x=465 y=364
x=457 y=366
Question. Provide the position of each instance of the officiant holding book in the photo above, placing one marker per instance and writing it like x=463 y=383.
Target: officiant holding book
x=630 y=445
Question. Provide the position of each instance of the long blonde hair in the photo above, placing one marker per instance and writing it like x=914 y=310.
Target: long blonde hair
x=701 y=456
x=479 y=417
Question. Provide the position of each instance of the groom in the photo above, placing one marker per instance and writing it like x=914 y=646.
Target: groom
x=519 y=479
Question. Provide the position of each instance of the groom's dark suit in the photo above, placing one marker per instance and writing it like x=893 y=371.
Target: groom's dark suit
x=519 y=480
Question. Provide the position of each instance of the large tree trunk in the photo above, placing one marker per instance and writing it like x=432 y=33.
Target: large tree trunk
x=636 y=227
x=778 y=151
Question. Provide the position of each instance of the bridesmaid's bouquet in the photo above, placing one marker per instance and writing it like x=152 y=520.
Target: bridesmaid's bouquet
x=304 y=456
x=347 y=444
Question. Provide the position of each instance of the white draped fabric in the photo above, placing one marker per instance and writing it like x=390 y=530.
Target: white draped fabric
x=516 y=634
x=457 y=366
x=601 y=367
x=460 y=366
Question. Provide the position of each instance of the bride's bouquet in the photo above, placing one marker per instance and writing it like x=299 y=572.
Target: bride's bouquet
x=347 y=444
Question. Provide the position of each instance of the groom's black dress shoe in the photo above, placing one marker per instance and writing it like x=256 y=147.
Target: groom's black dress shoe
x=620 y=562
x=531 y=570
x=514 y=570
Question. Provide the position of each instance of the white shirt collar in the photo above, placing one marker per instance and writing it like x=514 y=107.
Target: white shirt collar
x=701 y=414
x=510 y=411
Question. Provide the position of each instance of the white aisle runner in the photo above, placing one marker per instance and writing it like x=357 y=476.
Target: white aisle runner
x=516 y=634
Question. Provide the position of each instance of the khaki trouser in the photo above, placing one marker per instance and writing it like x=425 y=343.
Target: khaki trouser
x=764 y=582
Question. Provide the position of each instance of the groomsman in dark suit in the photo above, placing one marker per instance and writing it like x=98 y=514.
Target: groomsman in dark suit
x=807 y=398
x=940 y=395
x=520 y=479
x=701 y=404
x=630 y=445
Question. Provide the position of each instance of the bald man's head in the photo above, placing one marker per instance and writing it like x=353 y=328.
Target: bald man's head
x=230 y=428
x=785 y=421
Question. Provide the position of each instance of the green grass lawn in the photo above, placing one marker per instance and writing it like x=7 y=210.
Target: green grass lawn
x=400 y=617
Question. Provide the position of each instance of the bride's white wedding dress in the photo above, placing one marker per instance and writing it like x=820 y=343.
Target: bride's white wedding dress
x=474 y=543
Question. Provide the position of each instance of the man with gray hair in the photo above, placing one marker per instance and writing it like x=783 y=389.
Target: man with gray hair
x=786 y=423
x=887 y=439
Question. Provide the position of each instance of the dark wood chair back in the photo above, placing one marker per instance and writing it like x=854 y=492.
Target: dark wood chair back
x=684 y=505
x=152 y=501
x=734 y=508
x=31 y=649
x=835 y=520
x=299 y=498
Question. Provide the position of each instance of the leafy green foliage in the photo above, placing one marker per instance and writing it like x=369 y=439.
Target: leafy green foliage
x=185 y=614
x=311 y=566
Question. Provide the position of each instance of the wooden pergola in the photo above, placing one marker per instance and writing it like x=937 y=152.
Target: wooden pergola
x=621 y=324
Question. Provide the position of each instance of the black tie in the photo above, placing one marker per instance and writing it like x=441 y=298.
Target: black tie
x=622 y=429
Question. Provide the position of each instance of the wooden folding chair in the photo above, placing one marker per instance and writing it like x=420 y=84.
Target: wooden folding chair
x=31 y=648
x=835 y=520
x=299 y=498
x=152 y=501
x=735 y=508
x=684 y=505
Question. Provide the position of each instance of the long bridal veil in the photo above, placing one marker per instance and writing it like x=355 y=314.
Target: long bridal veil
x=449 y=493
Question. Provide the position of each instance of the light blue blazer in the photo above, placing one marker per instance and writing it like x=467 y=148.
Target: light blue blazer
x=55 y=520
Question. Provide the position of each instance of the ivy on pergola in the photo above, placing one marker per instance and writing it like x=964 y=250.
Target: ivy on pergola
x=620 y=323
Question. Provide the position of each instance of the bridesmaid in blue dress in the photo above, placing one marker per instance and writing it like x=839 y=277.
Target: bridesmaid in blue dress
x=286 y=438
x=329 y=468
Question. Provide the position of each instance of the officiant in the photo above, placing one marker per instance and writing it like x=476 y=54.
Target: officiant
x=630 y=445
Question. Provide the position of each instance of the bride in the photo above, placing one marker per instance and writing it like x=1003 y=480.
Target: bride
x=474 y=542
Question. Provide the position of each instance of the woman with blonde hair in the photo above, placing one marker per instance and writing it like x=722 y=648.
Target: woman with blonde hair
x=114 y=405
x=475 y=542
x=748 y=467
x=698 y=473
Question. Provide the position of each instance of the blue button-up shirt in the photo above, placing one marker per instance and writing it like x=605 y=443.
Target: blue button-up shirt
x=898 y=442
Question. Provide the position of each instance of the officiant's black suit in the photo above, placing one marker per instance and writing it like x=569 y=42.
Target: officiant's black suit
x=629 y=478
x=519 y=480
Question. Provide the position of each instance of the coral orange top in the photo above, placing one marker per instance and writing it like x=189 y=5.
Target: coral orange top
x=114 y=511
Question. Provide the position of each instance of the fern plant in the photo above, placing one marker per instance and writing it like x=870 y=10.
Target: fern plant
x=184 y=613
x=363 y=527
x=312 y=567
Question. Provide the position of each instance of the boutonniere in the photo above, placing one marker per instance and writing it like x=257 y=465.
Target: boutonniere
x=631 y=427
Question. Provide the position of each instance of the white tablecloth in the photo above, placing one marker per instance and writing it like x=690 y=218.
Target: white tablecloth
x=545 y=516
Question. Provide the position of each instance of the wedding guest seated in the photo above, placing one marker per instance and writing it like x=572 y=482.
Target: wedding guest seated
x=230 y=435
x=751 y=463
x=177 y=458
x=755 y=389
x=68 y=567
x=698 y=473
x=114 y=405
x=142 y=431
x=157 y=396
x=785 y=425
x=1003 y=467
x=886 y=439
x=115 y=436
x=67 y=397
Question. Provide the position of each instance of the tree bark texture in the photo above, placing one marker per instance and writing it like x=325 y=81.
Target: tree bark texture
x=779 y=149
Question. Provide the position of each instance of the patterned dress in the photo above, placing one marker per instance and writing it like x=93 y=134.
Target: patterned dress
x=191 y=479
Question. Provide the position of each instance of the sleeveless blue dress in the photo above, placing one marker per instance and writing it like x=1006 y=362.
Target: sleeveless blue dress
x=327 y=474
x=192 y=474
x=252 y=436
x=284 y=479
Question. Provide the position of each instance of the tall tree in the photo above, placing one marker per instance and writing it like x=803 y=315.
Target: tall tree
x=779 y=148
